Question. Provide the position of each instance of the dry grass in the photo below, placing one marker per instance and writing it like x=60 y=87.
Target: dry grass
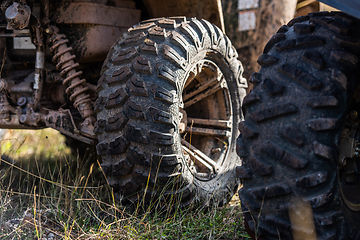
x=46 y=193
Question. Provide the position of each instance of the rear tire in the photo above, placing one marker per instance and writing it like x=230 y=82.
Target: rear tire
x=145 y=107
x=294 y=119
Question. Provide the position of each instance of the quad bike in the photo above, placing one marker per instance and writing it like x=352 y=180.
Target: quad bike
x=160 y=99
x=300 y=141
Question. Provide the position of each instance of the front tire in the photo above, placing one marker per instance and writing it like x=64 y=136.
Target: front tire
x=167 y=113
x=294 y=121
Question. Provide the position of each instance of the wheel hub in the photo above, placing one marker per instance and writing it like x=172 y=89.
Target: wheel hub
x=206 y=119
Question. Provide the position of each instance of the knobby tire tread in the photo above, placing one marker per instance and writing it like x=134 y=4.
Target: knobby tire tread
x=138 y=104
x=293 y=121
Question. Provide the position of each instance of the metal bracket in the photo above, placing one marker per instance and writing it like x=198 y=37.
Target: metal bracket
x=62 y=121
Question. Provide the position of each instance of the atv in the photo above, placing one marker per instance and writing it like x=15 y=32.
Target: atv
x=300 y=141
x=159 y=96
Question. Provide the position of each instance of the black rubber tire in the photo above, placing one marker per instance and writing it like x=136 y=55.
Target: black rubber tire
x=294 y=116
x=140 y=94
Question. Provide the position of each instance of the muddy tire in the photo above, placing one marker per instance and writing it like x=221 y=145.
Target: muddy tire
x=294 y=119
x=167 y=113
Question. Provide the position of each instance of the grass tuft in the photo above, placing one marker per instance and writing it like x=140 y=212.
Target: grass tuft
x=47 y=193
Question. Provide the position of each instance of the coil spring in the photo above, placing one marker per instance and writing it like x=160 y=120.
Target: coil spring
x=76 y=88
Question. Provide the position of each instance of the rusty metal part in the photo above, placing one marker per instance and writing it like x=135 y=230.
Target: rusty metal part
x=62 y=121
x=45 y=8
x=30 y=118
x=201 y=88
x=17 y=16
x=76 y=87
x=5 y=108
x=92 y=13
x=52 y=76
x=7 y=122
x=210 y=10
x=95 y=27
x=22 y=87
x=208 y=131
x=13 y=122
x=210 y=122
x=39 y=69
x=209 y=91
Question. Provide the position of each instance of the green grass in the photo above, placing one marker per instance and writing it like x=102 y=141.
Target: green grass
x=46 y=193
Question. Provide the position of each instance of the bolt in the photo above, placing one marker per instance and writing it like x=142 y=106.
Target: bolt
x=22 y=118
x=21 y=102
x=18 y=16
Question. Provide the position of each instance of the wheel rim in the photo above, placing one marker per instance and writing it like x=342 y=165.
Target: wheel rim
x=349 y=170
x=206 y=120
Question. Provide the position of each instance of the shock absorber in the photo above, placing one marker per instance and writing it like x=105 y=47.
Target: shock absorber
x=75 y=87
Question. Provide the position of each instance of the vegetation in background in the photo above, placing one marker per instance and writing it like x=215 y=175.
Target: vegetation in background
x=46 y=193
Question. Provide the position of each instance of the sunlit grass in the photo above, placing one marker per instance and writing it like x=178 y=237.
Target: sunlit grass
x=47 y=143
x=46 y=193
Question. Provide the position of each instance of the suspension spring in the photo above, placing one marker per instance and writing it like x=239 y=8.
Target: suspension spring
x=75 y=87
